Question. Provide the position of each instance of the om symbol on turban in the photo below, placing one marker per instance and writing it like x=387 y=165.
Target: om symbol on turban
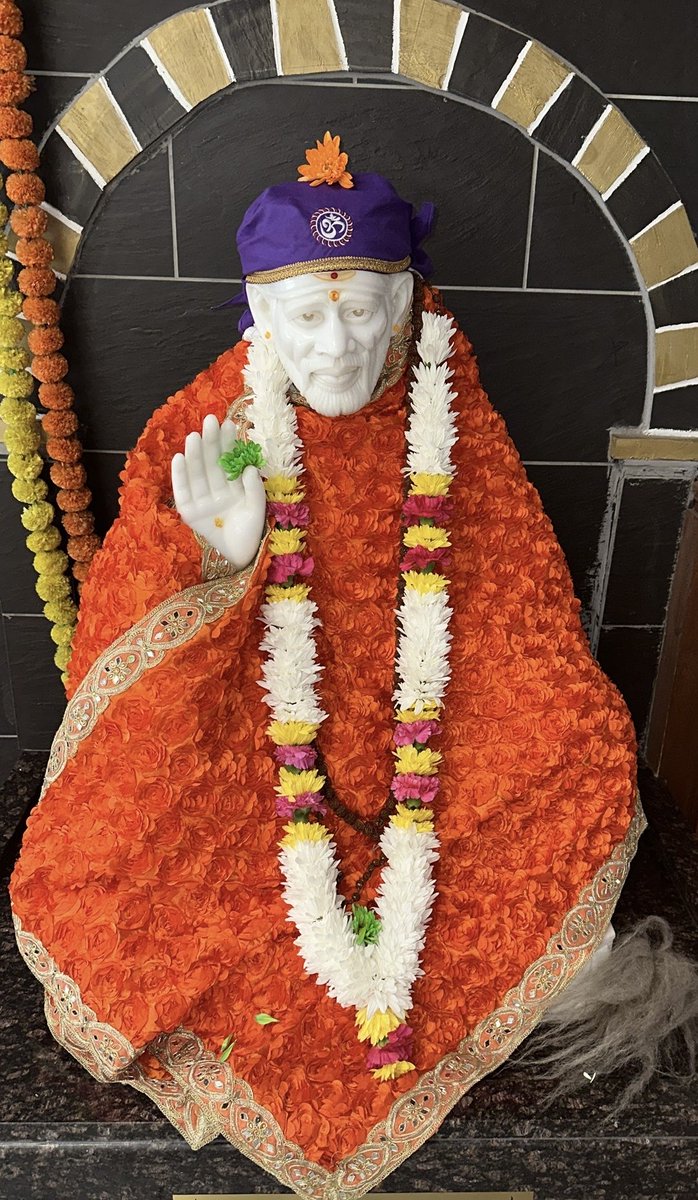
x=331 y=226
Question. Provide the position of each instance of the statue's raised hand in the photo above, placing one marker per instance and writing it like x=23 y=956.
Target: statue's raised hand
x=229 y=514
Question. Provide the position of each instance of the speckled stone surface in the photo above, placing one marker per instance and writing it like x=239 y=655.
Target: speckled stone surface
x=63 y=1134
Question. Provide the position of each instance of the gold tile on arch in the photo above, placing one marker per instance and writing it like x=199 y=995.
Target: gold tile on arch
x=308 y=41
x=610 y=152
x=676 y=356
x=666 y=248
x=538 y=77
x=427 y=33
x=190 y=52
x=96 y=126
x=653 y=448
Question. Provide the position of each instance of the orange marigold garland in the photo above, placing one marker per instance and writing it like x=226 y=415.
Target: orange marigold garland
x=37 y=282
x=23 y=439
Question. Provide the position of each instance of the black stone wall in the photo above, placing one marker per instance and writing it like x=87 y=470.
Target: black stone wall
x=526 y=257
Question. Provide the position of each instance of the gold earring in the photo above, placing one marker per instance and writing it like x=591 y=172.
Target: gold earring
x=396 y=328
x=268 y=333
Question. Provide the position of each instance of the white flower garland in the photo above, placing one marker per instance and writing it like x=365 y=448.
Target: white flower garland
x=375 y=978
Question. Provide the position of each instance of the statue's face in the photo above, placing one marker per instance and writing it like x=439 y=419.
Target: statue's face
x=331 y=331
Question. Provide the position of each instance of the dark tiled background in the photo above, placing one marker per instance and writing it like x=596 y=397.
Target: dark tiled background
x=528 y=261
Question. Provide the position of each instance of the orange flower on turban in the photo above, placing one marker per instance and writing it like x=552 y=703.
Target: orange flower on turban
x=326 y=164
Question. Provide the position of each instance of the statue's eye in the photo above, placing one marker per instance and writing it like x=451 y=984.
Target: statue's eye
x=308 y=317
x=358 y=312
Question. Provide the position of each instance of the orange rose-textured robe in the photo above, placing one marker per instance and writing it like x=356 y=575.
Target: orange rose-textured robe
x=149 y=876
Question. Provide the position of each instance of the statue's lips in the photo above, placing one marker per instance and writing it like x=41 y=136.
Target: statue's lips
x=338 y=379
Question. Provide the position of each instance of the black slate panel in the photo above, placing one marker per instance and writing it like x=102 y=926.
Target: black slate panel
x=132 y=344
x=676 y=302
x=131 y=229
x=561 y=369
x=8 y=720
x=575 y=500
x=9 y=749
x=367 y=32
x=17 y=576
x=670 y=128
x=52 y=93
x=476 y=168
x=485 y=57
x=565 y=126
x=629 y=657
x=246 y=32
x=21 y=775
x=103 y=471
x=144 y=98
x=637 y=46
x=69 y=187
x=641 y=197
x=39 y=695
x=676 y=408
x=573 y=244
x=69 y=35
x=647 y=533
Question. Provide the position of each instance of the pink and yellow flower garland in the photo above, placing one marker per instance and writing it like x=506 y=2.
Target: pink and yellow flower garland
x=423 y=618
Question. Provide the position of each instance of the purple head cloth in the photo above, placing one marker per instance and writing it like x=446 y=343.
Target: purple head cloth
x=295 y=228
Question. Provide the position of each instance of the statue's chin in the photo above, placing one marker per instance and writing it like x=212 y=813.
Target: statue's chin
x=337 y=404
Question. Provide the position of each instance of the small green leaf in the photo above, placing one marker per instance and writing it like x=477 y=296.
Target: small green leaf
x=265 y=1019
x=227 y=1047
x=365 y=925
x=243 y=454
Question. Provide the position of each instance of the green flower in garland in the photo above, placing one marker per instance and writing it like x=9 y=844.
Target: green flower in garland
x=365 y=925
x=243 y=454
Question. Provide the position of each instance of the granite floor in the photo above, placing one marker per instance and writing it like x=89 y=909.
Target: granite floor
x=64 y=1135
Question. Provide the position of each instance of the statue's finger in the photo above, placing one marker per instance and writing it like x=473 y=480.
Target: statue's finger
x=211 y=441
x=194 y=454
x=229 y=435
x=181 y=490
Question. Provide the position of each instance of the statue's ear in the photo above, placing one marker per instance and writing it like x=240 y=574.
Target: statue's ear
x=259 y=304
x=402 y=289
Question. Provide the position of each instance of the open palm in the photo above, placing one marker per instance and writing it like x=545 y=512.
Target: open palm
x=229 y=514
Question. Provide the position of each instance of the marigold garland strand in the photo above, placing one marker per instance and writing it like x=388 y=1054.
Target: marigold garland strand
x=36 y=282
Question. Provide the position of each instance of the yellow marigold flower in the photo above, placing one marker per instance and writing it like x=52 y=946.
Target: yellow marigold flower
x=62 y=657
x=50 y=562
x=298 y=591
x=393 y=1070
x=412 y=818
x=303 y=831
x=419 y=581
x=429 y=485
x=292 y=783
x=282 y=484
x=285 y=497
x=14 y=358
x=411 y=761
x=18 y=384
x=428 y=712
x=292 y=733
x=286 y=541
x=376 y=1027
x=431 y=536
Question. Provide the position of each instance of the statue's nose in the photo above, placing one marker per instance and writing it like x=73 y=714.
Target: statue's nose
x=334 y=338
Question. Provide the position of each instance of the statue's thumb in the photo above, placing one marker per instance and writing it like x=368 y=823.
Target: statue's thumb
x=253 y=484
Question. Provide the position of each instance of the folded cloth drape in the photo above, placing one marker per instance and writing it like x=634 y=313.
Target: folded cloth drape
x=147 y=896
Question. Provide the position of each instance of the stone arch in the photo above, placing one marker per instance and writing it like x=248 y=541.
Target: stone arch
x=435 y=45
